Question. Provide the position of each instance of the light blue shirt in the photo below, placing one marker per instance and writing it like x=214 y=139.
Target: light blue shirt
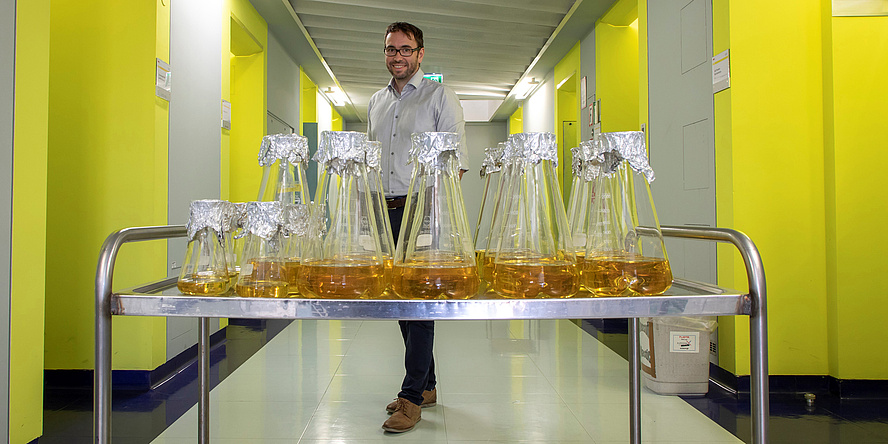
x=423 y=105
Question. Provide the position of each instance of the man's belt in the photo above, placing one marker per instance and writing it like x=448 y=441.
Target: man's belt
x=396 y=202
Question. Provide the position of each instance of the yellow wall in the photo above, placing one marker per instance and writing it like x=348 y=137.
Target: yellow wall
x=336 y=120
x=617 y=67
x=641 y=28
x=855 y=247
x=245 y=65
x=29 y=221
x=567 y=106
x=516 y=124
x=727 y=256
x=106 y=171
x=777 y=163
x=308 y=106
x=805 y=219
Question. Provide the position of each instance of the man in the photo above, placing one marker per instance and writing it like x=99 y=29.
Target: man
x=410 y=104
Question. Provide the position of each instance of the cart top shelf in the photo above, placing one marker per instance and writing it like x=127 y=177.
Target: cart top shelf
x=685 y=298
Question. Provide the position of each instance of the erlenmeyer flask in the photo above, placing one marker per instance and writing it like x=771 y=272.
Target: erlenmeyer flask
x=625 y=252
x=534 y=257
x=509 y=161
x=283 y=158
x=232 y=225
x=204 y=271
x=262 y=270
x=343 y=260
x=373 y=151
x=582 y=194
x=490 y=171
x=435 y=258
x=296 y=219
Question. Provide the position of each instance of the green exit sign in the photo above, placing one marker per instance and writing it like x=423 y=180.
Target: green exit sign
x=438 y=77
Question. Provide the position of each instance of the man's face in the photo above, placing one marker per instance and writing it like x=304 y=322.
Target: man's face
x=399 y=66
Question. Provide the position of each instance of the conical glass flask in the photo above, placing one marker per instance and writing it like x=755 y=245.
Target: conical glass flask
x=490 y=171
x=510 y=160
x=283 y=158
x=534 y=256
x=625 y=252
x=296 y=220
x=582 y=194
x=204 y=271
x=373 y=150
x=232 y=225
x=435 y=258
x=262 y=270
x=343 y=259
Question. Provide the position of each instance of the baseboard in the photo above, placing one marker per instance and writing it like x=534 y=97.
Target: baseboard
x=135 y=380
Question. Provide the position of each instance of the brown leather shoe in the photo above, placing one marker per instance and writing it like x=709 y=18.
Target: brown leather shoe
x=429 y=399
x=406 y=415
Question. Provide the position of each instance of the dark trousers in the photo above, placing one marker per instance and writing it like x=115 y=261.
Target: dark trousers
x=419 y=339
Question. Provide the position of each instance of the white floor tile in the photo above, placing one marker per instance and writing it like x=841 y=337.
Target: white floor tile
x=327 y=382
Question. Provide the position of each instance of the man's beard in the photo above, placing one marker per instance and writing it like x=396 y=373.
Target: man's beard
x=408 y=72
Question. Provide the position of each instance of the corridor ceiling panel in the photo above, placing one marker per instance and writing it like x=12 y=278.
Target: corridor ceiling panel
x=481 y=47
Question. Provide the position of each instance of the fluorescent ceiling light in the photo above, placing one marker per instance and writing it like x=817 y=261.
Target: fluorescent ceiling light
x=526 y=88
x=336 y=96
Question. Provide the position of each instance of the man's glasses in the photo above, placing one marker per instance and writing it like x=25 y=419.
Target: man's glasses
x=405 y=52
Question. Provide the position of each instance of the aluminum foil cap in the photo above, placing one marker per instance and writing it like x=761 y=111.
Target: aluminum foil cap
x=535 y=147
x=373 y=152
x=264 y=219
x=231 y=216
x=577 y=160
x=296 y=219
x=290 y=148
x=340 y=151
x=429 y=148
x=630 y=146
x=508 y=153
x=206 y=214
x=493 y=160
x=591 y=167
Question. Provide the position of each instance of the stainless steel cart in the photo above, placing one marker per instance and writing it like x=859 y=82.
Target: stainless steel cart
x=685 y=298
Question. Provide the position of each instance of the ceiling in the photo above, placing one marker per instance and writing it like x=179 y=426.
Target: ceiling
x=482 y=47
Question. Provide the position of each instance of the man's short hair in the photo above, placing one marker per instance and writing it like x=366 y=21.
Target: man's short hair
x=411 y=31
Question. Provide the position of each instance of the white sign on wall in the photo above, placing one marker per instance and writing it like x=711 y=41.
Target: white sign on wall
x=721 y=72
x=163 y=80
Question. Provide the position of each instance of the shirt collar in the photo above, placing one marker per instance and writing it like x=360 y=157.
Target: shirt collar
x=416 y=80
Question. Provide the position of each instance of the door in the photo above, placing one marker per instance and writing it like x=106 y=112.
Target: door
x=681 y=126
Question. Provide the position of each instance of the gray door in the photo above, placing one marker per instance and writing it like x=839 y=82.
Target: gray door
x=7 y=69
x=195 y=133
x=682 y=145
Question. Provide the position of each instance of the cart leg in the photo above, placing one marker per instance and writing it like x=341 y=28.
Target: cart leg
x=102 y=375
x=758 y=332
x=203 y=371
x=634 y=384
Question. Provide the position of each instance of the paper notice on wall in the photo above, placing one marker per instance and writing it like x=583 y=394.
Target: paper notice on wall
x=163 y=80
x=721 y=72
x=583 y=92
x=226 y=114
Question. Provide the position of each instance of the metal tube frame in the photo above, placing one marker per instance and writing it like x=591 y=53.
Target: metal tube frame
x=757 y=324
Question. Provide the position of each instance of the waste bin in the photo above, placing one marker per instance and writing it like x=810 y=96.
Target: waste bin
x=675 y=354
